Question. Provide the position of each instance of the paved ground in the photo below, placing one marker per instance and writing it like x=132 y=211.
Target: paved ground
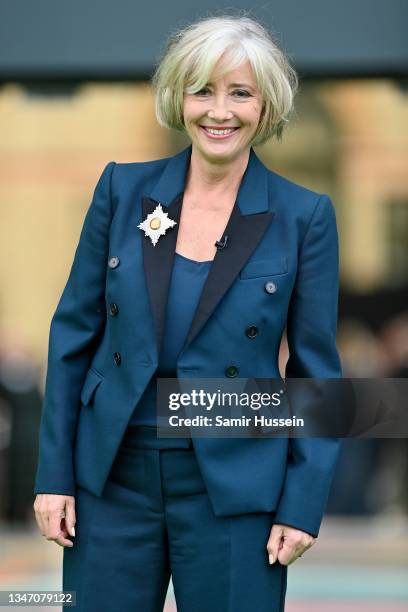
x=357 y=566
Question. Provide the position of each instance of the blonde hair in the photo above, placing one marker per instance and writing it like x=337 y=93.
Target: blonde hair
x=190 y=57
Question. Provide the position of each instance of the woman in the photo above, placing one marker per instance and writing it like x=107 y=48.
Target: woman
x=190 y=267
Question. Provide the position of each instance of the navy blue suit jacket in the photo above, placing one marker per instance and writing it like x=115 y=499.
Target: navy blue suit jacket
x=100 y=364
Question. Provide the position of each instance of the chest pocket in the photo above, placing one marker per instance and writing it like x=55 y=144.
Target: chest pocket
x=92 y=380
x=264 y=267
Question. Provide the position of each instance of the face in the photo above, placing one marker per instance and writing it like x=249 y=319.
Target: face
x=221 y=119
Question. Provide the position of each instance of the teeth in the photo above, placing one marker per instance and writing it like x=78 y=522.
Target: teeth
x=219 y=132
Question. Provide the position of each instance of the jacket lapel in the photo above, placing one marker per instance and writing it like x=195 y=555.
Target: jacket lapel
x=158 y=262
x=249 y=219
x=244 y=233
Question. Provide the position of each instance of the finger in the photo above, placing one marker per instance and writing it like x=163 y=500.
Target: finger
x=297 y=553
x=44 y=522
x=291 y=548
x=39 y=515
x=55 y=531
x=62 y=540
x=274 y=543
x=40 y=522
x=38 y=519
x=287 y=553
x=70 y=518
x=64 y=529
x=304 y=548
x=296 y=556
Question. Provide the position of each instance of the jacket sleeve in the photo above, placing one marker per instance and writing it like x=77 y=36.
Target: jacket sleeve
x=75 y=329
x=311 y=333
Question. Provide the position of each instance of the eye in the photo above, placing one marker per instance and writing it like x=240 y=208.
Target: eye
x=241 y=93
x=202 y=92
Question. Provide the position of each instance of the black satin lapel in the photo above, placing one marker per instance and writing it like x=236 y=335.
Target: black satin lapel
x=244 y=233
x=158 y=263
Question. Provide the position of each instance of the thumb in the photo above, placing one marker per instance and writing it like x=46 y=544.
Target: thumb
x=274 y=541
x=70 y=518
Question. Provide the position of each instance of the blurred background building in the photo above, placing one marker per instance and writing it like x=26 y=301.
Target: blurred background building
x=75 y=94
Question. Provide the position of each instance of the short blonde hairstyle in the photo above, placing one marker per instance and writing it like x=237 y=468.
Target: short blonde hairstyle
x=190 y=57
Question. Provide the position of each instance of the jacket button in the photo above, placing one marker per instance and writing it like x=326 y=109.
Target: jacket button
x=270 y=287
x=231 y=371
x=113 y=262
x=117 y=359
x=113 y=309
x=251 y=331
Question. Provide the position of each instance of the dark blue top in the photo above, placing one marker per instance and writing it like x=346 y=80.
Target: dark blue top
x=187 y=281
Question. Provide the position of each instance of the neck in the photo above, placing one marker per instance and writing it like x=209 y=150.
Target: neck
x=215 y=180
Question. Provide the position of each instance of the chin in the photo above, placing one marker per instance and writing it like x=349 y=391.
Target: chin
x=219 y=157
x=220 y=154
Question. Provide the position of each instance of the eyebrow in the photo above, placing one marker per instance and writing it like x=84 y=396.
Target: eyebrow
x=236 y=85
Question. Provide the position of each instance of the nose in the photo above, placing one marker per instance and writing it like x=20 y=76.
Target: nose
x=219 y=110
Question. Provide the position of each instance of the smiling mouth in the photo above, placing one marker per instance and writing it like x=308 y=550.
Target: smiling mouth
x=219 y=133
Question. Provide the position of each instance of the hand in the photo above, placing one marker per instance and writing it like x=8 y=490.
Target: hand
x=55 y=516
x=286 y=544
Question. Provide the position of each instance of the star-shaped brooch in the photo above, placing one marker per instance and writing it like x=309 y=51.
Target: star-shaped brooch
x=156 y=224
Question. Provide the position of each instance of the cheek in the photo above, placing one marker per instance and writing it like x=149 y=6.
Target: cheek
x=192 y=119
x=254 y=116
x=188 y=111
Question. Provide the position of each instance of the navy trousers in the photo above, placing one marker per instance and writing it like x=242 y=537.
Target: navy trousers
x=154 y=521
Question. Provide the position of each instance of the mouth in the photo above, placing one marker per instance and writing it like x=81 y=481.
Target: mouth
x=219 y=133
